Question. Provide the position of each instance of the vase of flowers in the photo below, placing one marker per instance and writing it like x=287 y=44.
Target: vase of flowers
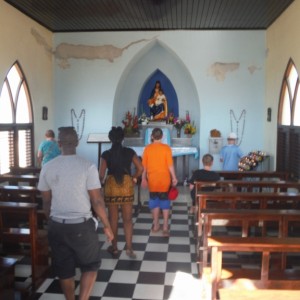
x=143 y=119
x=131 y=125
x=178 y=124
x=189 y=129
x=170 y=118
x=251 y=161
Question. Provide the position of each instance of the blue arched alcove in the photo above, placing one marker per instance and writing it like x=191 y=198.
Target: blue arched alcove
x=147 y=91
x=156 y=61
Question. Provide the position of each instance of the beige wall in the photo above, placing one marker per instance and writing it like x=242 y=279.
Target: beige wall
x=283 y=43
x=18 y=43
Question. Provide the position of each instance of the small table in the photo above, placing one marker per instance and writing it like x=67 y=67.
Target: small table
x=98 y=138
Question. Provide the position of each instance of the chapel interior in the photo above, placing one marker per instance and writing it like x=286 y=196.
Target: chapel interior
x=222 y=66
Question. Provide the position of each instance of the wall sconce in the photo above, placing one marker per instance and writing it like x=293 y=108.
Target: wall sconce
x=45 y=113
x=269 y=114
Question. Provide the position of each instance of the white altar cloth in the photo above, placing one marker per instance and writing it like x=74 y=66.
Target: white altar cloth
x=176 y=151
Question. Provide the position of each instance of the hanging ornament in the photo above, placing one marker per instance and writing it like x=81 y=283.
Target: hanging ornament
x=79 y=122
x=235 y=124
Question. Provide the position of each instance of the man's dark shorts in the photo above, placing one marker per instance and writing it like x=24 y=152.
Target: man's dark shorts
x=74 y=245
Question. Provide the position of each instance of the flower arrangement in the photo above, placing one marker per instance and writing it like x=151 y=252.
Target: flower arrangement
x=131 y=124
x=190 y=128
x=178 y=124
x=251 y=161
x=143 y=119
x=170 y=118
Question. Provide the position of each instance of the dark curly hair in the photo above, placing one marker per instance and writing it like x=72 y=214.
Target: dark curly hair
x=116 y=135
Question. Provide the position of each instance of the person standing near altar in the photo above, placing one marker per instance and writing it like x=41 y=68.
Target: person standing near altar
x=158 y=176
x=231 y=154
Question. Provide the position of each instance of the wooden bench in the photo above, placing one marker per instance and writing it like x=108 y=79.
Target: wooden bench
x=27 y=170
x=243 y=199
x=248 y=186
x=265 y=278
x=18 y=179
x=247 y=221
x=17 y=193
x=31 y=236
x=253 y=174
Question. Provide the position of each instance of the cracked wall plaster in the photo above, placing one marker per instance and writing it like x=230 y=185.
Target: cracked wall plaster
x=253 y=69
x=219 y=70
x=64 y=51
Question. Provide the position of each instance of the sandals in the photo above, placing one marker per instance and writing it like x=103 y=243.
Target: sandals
x=113 y=251
x=130 y=254
x=155 y=230
x=166 y=233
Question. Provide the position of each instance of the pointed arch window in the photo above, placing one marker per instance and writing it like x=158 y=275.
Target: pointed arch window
x=288 y=132
x=16 y=122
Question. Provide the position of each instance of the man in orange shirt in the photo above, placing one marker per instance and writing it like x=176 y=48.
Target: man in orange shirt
x=158 y=176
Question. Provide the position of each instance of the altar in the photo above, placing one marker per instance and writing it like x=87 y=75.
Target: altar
x=180 y=151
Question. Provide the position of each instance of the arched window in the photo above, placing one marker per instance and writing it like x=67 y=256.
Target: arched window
x=288 y=133
x=16 y=122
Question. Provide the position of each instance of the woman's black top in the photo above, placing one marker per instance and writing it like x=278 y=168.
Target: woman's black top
x=124 y=159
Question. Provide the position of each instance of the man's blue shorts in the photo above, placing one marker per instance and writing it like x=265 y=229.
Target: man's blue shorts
x=162 y=204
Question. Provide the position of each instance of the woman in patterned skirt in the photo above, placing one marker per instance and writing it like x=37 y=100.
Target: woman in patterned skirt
x=115 y=175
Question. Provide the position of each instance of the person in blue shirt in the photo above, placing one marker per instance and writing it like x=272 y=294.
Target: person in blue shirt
x=48 y=149
x=230 y=154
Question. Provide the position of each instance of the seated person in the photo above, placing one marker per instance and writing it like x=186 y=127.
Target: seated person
x=204 y=174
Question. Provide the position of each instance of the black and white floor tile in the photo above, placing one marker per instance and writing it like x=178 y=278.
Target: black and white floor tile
x=165 y=267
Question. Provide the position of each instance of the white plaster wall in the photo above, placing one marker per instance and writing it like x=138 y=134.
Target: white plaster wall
x=17 y=43
x=283 y=43
x=93 y=84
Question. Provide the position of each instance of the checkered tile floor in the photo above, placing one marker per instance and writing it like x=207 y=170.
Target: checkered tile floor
x=165 y=267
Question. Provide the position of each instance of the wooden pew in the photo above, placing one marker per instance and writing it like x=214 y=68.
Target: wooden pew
x=265 y=278
x=27 y=170
x=241 y=200
x=245 y=220
x=18 y=193
x=238 y=175
x=18 y=179
x=36 y=239
x=238 y=199
x=249 y=186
